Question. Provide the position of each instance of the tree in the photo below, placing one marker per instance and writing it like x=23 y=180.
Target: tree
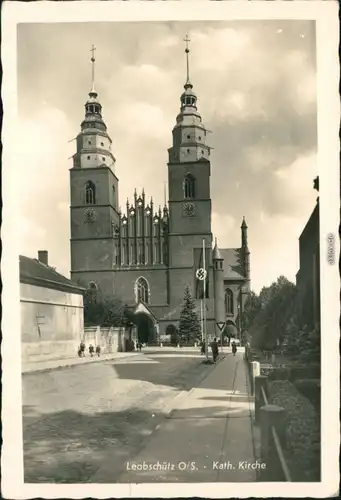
x=309 y=344
x=189 y=327
x=104 y=312
x=273 y=313
x=251 y=309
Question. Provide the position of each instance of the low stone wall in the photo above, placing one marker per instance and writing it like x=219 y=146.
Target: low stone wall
x=109 y=339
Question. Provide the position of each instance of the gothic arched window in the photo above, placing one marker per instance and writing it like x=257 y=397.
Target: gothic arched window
x=228 y=301
x=92 y=292
x=142 y=290
x=189 y=186
x=114 y=196
x=90 y=193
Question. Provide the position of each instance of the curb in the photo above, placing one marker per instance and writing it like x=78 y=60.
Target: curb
x=73 y=365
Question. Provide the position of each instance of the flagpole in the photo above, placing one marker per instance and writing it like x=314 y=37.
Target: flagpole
x=202 y=321
x=204 y=299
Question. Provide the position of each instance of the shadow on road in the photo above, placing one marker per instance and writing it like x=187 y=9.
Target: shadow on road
x=70 y=447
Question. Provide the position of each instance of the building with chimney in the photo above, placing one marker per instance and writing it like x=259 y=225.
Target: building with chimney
x=52 y=312
x=147 y=255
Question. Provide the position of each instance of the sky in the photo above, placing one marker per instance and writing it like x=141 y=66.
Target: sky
x=256 y=88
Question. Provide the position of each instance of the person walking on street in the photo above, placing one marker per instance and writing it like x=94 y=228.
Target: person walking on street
x=91 y=350
x=215 y=349
x=81 y=349
x=98 y=350
x=234 y=348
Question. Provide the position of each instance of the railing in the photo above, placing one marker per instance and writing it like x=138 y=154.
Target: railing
x=272 y=423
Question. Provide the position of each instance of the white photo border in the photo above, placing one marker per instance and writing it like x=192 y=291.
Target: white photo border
x=327 y=35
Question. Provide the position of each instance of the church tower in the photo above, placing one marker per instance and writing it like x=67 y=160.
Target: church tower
x=189 y=195
x=93 y=193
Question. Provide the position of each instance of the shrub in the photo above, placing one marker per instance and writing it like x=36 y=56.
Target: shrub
x=279 y=374
x=311 y=371
x=311 y=389
x=302 y=431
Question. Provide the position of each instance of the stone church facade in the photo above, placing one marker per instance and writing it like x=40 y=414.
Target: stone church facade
x=147 y=255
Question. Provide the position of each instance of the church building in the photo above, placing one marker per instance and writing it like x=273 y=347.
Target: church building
x=146 y=255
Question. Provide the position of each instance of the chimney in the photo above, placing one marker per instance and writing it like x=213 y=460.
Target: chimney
x=43 y=257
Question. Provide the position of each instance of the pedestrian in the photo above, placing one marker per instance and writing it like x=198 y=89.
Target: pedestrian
x=98 y=350
x=215 y=349
x=91 y=350
x=82 y=349
x=234 y=348
x=139 y=346
x=202 y=350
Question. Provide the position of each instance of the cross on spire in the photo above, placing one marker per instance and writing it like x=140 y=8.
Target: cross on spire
x=187 y=40
x=93 y=48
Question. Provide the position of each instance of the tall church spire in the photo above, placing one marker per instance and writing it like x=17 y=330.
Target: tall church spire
x=189 y=133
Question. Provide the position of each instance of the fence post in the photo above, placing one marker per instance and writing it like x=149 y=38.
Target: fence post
x=255 y=370
x=272 y=416
x=260 y=381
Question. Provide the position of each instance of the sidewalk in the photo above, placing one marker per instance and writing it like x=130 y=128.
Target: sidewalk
x=207 y=437
x=57 y=364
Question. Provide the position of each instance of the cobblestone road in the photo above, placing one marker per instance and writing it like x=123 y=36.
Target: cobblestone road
x=72 y=416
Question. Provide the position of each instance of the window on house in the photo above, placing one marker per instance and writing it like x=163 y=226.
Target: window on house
x=89 y=142
x=229 y=301
x=189 y=186
x=188 y=150
x=199 y=138
x=90 y=193
x=103 y=158
x=188 y=137
x=89 y=157
x=102 y=143
x=142 y=290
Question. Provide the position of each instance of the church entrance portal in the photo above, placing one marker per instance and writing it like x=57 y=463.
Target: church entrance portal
x=146 y=332
x=173 y=332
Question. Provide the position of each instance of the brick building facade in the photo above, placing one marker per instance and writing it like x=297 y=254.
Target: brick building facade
x=146 y=255
x=308 y=276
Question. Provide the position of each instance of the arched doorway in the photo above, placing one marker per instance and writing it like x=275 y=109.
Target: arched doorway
x=173 y=332
x=146 y=332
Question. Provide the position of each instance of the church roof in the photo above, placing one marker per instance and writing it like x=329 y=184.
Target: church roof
x=34 y=272
x=233 y=264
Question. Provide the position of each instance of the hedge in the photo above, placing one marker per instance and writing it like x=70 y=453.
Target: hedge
x=311 y=389
x=303 y=442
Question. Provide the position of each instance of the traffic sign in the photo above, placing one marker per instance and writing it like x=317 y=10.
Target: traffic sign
x=201 y=274
x=221 y=325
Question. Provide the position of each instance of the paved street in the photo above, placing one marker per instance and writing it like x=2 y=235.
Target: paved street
x=76 y=417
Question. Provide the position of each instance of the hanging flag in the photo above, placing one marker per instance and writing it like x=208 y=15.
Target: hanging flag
x=199 y=264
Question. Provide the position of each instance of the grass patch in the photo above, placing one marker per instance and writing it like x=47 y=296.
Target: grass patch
x=303 y=440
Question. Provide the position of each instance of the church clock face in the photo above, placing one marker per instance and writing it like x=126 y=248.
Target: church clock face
x=188 y=210
x=89 y=215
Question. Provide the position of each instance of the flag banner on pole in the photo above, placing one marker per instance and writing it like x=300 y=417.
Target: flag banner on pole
x=199 y=264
